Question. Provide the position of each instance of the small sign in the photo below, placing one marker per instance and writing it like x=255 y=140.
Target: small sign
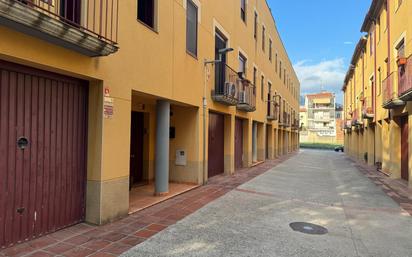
x=181 y=159
x=108 y=107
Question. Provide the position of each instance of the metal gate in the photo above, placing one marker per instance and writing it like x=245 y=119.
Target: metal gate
x=42 y=152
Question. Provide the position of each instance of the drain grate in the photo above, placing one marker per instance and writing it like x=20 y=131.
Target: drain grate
x=308 y=228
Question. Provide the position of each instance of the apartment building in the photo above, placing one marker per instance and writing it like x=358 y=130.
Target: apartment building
x=99 y=97
x=377 y=90
x=318 y=118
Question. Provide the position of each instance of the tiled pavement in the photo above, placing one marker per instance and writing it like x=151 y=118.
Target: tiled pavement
x=396 y=189
x=117 y=237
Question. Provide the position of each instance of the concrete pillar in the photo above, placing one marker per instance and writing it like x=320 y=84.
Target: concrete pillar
x=254 y=142
x=162 y=147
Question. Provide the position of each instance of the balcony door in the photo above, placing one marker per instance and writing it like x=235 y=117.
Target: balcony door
x=70 y=10
x=220 y=43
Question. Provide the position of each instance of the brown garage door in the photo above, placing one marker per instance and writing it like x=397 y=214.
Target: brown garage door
x=42 y=152
x=216 y=144
x=238 y=144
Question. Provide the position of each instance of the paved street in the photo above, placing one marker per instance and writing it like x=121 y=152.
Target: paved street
x=318 y=187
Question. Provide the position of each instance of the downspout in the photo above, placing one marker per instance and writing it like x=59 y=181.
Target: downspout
x=374 y=93
x=388 y=17
x=374 y=75
x=204 y=104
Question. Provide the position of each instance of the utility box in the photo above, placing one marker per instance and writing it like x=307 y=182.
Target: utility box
x=181 y=158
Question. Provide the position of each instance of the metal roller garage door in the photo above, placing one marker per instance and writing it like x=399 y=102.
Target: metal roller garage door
x=42 y=152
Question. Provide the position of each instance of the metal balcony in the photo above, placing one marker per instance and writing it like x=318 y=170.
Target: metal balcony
x=367 y=108
x=247 y=97
x=390 y=94
x=89 y=27
x=356 y=121
x=273 y=109
x=227 y=85
x=405 y=78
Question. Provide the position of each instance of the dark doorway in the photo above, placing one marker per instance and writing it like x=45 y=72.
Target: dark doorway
x=216 y=144
x=238 y=144
x=70 y=10
x=404 y=148
x=136 y=148
x=220 y=72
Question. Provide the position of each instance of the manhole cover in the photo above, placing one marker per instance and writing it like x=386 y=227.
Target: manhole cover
x=308 y=228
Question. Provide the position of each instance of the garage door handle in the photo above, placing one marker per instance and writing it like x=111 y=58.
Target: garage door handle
x=22 y=143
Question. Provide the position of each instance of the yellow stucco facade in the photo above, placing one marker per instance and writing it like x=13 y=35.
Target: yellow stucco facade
x=377 y=108
x=153 y=64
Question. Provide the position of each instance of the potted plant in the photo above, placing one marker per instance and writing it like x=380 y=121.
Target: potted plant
x=401 y=61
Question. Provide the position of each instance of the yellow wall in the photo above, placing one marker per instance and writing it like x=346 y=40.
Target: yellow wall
x=382 y=139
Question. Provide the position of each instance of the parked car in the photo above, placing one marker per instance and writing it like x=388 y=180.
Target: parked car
x=339 y=149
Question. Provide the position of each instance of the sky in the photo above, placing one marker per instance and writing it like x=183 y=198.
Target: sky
x=320 y=37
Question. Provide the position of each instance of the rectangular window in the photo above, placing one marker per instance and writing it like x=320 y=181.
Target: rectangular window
x=371 y=43
x=191 y=27
x=276 y=63
x=270 y=50
x=243 y=10
x=263 y=38
x=254 y=79
x=262 y=85
x=284 y=76
x=280 y=69
x=146 y=12
x=255 y=28
x=242 y=64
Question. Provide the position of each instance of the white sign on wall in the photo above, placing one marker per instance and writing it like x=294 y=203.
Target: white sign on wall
x=181 y=158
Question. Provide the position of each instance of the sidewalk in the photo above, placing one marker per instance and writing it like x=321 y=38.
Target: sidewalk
x=117 y=237
x=396 y=189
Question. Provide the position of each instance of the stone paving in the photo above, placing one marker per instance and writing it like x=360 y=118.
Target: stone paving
x=117 y=237
x=319 y=187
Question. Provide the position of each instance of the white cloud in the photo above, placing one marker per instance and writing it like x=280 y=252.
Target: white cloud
x=327 y=74
x=348 y=43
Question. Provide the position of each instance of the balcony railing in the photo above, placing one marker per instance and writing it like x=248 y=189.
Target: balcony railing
x=273 y=108
x=356 y=121
x=227 y=85
x=247 y=96
x=89 y=27
x=405 y=78
x=367 y=108
x=390 y=92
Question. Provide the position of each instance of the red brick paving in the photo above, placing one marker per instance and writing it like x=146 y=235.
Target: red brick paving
x=396 y=189
x=117 y=237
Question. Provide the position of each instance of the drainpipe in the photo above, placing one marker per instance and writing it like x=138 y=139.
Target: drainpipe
x=388 y=16
x=204 y=104
x=374 y=94
x=375 y=74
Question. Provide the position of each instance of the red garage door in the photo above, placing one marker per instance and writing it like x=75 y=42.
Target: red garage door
x=216 y=144
x=42 y=152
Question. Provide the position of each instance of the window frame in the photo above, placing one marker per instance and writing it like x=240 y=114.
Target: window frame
x=190 y=2
x=152 y=27
x=243 y=10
